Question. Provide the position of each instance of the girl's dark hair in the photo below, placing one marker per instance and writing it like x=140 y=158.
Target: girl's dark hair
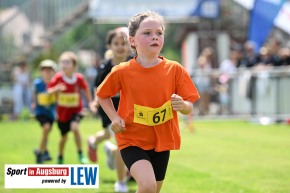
x=113 y=33
x=134 y=23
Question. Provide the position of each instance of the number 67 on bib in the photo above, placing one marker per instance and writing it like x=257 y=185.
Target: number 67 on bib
x=152 y=116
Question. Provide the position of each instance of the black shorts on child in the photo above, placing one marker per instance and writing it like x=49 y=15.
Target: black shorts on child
x=42 y=119
x=65 y=126
x=159 y=160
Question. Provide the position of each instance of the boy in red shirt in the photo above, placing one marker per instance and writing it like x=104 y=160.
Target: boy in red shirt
x=67 y=84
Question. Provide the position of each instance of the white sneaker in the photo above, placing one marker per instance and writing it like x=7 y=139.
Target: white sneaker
x=108 y=147
x=121 y=187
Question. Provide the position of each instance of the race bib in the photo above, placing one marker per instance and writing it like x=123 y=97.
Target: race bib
x=152 y=116
x=45 y=99
x=68 y=99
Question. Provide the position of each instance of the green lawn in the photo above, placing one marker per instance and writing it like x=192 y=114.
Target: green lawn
x=219 y=157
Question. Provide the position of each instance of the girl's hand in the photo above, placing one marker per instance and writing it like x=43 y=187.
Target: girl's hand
x=94 y=106
x=61 y=87
x=118 y=125
x=57 y=88
x=177 y=102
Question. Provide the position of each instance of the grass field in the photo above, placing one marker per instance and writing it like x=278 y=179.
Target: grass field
x=219 y=157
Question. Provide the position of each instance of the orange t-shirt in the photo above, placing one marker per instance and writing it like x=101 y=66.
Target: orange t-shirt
x=150 y=87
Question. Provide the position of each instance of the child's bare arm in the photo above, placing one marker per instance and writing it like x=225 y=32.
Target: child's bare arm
x=178 y=104
x=118 y=124
x=88 y=95
x=92 y=103
x=56 y=88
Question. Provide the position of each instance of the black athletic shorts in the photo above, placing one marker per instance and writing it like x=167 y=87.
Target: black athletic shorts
x=65 y=126
x=159 y=160
x=42 y=119
x=105 y=119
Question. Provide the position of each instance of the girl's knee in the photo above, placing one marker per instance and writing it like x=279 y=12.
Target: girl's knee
x=75 y=130
x=107 y=134
x=74 y=127
x=147 y=187
x=63 y=138
x=46 y=127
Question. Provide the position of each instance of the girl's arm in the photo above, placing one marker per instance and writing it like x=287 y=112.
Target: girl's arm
x=95 y=104
x=88 y=95
x=56 y=88
x=118 y=124
x=89 y=98
x=178 y=104
x=187 y=107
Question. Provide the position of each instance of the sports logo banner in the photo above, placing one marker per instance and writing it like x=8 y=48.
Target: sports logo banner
x=51 y=176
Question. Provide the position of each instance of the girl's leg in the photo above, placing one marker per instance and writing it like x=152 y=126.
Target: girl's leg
x=62 y=144
x=101 y=136
x=147 y=167
x=143 y=173
x=74 y=127
x=45 y=130
x=78 y=141
x=120 y=184
x=64 y=129
x=93 y=142
x=159 y=185
x=120 y=166
x=105 y=133
x=159 y=162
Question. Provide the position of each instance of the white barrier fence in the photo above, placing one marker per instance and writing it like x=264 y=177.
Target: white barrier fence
x=247 y=93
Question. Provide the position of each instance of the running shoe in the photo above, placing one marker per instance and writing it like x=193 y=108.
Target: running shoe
x=83 y=159
x=59 y=160
x=39 y=158
x=121 y=187
x=46 y=156
x=92 y=150
x=110 y=156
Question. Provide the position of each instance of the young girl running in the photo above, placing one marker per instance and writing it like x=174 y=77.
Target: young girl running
x=117 y=43
x=153 y=89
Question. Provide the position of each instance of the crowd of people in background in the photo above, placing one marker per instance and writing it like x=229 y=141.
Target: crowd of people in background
x=214 y=87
